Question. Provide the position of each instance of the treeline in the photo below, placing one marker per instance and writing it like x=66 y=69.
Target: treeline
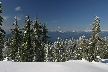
x=26 y=44
x=30 y=44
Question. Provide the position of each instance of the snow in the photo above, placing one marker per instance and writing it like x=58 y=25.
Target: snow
x=25 y=31
x=7 y=59
x=69 y=66
x=15 y=17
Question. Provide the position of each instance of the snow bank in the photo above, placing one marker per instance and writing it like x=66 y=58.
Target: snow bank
x=70 y=66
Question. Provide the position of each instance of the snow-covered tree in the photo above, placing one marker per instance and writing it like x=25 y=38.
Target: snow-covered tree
x=45 y=37
x=2 y=34
x=38 y=50
x=6 y=48
x=106 y=48
x=15 y=44
x=27 y=49
x=83 y=46
x=77 y=50
x=50 y=52
x=94 y=39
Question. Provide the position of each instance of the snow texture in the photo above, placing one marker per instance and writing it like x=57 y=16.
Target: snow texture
x=69 y=66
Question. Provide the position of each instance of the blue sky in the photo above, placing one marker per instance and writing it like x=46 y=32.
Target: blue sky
x=65 y=15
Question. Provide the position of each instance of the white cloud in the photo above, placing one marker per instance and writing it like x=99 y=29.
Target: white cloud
x=18 y=8
x=18 y=18
x=6 y=17
x=58 y=27
x=55 y=21
x=6 y=27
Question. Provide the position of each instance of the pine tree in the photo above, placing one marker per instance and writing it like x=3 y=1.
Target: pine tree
x=78 y=50
x=15 y=42
x=72 y=47
x=2 y=34
x=66 y=50
x=83 y=46
x=106 y=47
x=57 y=50
x=27 y=49
x=45 y=37
x=49 y=52
x=6 y=48
x=38 y=50
x=95 y=38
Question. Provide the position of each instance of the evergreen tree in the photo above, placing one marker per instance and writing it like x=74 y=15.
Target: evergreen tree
x=38 y=50
x=2 y=34
x=78 y=50
x=57 y=50
x=106 y=47
x=66 y=50
x=49 y=49
x=15 y=42
x=27 y=49
x=45 y=37
x=83 y=46
x=95 y=38
x=6 y=48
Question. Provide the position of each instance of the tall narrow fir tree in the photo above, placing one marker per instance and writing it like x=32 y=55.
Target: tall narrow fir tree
x=2 y=34
x=16 y=41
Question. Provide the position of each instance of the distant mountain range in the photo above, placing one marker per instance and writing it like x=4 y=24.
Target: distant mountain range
x=69 y=34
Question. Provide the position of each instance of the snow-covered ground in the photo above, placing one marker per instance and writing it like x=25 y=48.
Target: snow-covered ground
x=69 y=66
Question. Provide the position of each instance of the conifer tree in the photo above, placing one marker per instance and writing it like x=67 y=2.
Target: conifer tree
x=2 y=34
x=46 y=47
x=49 y=52
x=45 y=37
x=15 y=42
x=72 y=47
x=27 y=49
x=57 y=50
x=38 y=50
x=78 y=51
x=94 y=39
x=83 y=46
x=6 y=48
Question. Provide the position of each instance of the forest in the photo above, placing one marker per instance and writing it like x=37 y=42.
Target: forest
x=31 y=44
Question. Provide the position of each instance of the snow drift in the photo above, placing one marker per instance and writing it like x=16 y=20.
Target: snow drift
x=69 y=66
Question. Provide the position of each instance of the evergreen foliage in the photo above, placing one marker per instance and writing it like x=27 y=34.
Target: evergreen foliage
x=15 y=44
x=38 y=49
x=45 y=37
x=6 y=48
x=2 y=35
x=26 y=48
x=83 y=46
x=95 y=40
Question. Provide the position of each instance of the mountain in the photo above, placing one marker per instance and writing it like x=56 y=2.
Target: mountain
x=69 y=34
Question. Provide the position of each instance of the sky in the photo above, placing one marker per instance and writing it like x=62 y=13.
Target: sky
x=66 y=15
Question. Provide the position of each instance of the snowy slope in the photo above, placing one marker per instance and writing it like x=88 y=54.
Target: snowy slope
x=70 y=66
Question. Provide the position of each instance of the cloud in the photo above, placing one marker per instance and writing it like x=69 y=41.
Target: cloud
x=54 y=21
x=18 y=8
x=18 y=18
x=58 y=27
x=6 y=17
x=6 y=27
